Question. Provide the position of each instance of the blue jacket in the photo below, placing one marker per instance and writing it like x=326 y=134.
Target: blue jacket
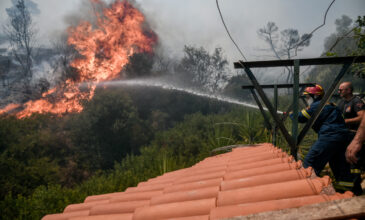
x=330 y=121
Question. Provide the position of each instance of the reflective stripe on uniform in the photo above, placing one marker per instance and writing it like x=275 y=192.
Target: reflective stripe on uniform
x=355 y=171
x=343 y=183
x=305 y=113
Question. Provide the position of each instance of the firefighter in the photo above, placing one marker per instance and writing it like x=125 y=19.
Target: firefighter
x=352 y=107
x=333 y=138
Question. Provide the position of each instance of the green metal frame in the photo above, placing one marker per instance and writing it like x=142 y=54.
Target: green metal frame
x=294 y=140
x=274 y=128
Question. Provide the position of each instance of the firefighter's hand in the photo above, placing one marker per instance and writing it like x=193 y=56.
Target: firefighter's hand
x=352 y=150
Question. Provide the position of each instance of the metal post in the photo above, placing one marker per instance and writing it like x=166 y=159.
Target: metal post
x=264 y=98
x=276 y=110
x=294 y=148
x=323 y=102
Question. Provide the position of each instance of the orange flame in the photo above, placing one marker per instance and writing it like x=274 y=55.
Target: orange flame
x=105 y=49
x=9 y=108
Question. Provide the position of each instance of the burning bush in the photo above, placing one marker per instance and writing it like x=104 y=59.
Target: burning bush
x=104 y=48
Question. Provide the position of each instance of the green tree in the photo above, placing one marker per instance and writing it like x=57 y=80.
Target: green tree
x=204 y=71
x=26 y=159
x=140 y=65
x=233 y=88
x=284 y=44
x=21 y=35
x=359 y=36
x=346 y=41
x=107 y=130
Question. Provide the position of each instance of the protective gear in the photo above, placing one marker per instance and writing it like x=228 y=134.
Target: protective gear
x=314 y=90
x=329 y=121
x=350 y=109
x=333 y=139
x=309 y=99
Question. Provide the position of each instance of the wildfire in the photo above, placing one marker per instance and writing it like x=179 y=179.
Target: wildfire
x=105 y=48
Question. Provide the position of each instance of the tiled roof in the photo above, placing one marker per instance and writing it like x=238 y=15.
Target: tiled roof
x=245 y=181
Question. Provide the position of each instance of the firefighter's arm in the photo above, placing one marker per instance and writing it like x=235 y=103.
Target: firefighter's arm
x=355 y=120
x=303 y=115
x=356 y=144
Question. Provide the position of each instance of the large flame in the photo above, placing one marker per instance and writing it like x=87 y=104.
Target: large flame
x=105 y=48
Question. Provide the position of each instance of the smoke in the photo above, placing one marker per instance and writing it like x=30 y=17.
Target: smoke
x=32 y=7
x=46 y=70
x=177 y=23
x=87 y=10
x=84 y=12
x=29 y=4
x=3 y=38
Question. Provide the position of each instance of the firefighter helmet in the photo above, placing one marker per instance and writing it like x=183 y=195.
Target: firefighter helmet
x=314 y=90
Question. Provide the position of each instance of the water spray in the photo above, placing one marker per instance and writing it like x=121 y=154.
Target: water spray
x=163 y=85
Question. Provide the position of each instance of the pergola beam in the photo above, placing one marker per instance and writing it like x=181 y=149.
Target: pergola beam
x=303 y=62
x=279 y=86
x=294 y=140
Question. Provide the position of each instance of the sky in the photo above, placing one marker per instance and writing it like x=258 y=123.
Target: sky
x=197 y=22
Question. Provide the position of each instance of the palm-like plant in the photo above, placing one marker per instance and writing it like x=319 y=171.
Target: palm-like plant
x=248 y=130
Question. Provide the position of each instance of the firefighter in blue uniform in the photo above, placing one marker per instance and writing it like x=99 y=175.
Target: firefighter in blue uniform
x=333 y=138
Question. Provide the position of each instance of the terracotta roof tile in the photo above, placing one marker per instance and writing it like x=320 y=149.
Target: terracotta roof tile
x=128 y=216
x=245 y=181
x=290 y=189
x=84 y=206
x=256 y=207
x=193 y=185
x=276 y=177
x=118 y=207
x=262 y=170
x=136 y=196
x=176 y=209
x=196 y=194
x=198 y=217
x=102 y=197
x=200 y=177
x=245 y=166
x=65 y=216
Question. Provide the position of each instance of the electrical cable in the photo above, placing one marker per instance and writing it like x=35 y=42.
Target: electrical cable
x=225 y=26
x=341 y=38
x=296 y=48
x=311 y=33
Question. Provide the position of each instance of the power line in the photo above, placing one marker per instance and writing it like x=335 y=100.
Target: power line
x=225 y=26
x=296 y=49
x=311 y=33
x=341 y=38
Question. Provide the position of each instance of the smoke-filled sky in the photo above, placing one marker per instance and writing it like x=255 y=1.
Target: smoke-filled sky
x=197 y=22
